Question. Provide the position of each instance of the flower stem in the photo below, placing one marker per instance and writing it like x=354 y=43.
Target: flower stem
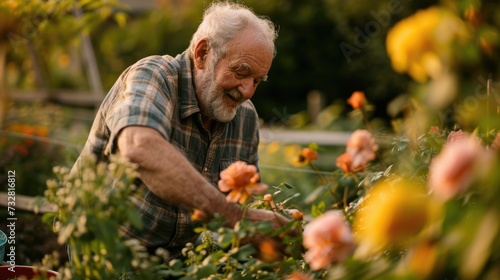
x=323 y=179
x=365 y=118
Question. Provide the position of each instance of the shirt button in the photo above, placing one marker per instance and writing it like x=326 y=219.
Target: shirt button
x=206 y=169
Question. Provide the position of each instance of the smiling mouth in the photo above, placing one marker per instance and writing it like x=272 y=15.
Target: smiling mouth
x=235 y=97
x=231 y=102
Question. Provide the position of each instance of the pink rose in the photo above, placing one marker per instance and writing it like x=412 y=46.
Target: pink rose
x=362 y=147
x=328 y=239
x=455 y=135
x=453 y=169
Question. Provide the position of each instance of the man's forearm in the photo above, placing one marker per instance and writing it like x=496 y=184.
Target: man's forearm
x=169 y=175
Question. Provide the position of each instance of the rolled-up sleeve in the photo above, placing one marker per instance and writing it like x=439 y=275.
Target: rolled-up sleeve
x=143 y=100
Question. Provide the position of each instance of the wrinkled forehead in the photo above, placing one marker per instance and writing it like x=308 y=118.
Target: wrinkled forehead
x=251 y=47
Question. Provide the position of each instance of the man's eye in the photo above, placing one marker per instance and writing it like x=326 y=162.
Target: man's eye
x=239 y=75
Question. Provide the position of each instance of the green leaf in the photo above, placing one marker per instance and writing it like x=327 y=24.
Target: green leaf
x=225 y=240
x=290 y=197
x=199 y=229
x=265 y=227
x=318 y=210
x=314 y=146
x=176 y=264
x=288 y=186
x=244 y=252
x=164 y=274
x=206 y=271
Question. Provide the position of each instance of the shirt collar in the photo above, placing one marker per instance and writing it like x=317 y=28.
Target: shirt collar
x=187 y=93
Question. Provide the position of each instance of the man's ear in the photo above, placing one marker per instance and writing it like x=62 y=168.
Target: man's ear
x=201 y=53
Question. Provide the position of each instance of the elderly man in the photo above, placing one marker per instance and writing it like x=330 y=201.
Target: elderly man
x=184 y=119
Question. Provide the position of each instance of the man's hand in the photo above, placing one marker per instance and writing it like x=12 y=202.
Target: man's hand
x=263 y=241
x=277 y=220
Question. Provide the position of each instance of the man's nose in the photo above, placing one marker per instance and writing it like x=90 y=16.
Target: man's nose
x=247 y=87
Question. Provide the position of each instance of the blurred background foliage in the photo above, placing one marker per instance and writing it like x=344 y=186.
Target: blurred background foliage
x=332 y=46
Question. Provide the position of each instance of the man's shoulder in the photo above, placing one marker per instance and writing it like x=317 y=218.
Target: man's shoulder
x=248 y=105
x=247 y=111
x=165 y=63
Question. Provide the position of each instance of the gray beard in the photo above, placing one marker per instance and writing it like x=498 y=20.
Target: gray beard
x=211 y=99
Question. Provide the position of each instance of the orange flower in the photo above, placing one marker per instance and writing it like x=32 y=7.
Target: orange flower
x=362 y=147
x=357 y=100
x=269 y=251
x=296 y=214
x=198 y=216
x=434 y=130
x=298 y=276
x=344 y=162
x=24 y=147
x=328 y=239
x=241 y=180
x=453 y=169
x=306 y=156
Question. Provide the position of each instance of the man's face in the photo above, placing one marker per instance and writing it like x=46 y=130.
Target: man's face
x=223 y=86
x=211 y=97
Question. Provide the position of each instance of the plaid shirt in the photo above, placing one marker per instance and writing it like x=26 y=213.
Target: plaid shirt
x=158 y=92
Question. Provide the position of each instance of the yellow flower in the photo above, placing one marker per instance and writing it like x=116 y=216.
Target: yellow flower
x=392 y=214
x=273 y=147
x=241 y=181
x=305 y=157
x=420 y=44
x=422 y=258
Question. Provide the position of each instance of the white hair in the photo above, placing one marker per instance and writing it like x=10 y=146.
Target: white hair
x=222 y=21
